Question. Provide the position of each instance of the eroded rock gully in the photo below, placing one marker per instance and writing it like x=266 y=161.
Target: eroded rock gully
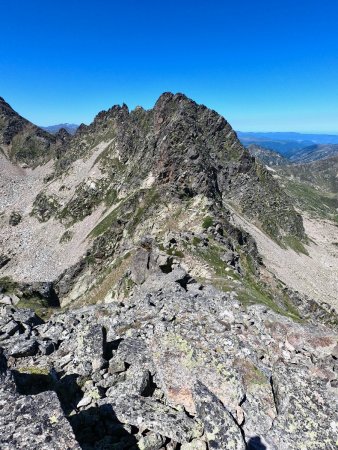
x=172 y=367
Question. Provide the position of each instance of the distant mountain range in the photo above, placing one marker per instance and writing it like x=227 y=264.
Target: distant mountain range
x=309 y=154
x=70 y=127
x=315 y=153
x=290 y=136
x=286 y=143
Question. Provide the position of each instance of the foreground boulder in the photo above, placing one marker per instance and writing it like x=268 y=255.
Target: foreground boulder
x=220 y=427
x=32 y=421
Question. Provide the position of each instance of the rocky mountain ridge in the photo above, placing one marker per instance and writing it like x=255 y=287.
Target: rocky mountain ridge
x=267 y=156
x=313 y=184
x=126 y=175
x=157 y=324
x=23 y=142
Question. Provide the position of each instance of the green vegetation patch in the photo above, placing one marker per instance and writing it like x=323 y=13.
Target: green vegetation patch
x=44 y=207
x=66 y=237
x=251 y=374
x=196 y=241
x=38 y=305
x=315 y=201
x=8 y=284
x=296 y=244
x=172 y=251
x=34 y=370
x=207 y=222
x=151 y=197
x=106 y=223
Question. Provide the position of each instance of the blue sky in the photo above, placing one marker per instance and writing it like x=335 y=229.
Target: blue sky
x=265 y=65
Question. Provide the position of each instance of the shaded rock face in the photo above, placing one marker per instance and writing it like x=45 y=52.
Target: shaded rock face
x=171 y=367
x=31 y=421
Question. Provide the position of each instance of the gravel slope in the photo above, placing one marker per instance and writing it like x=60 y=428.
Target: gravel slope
x=315 y=275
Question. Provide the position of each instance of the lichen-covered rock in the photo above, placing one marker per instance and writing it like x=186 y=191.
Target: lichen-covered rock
x=257 y=413
x=196 y=444
x=306 y=411
x=34 y=422
x=176 y=365
x=151 y=441
x=220 y=428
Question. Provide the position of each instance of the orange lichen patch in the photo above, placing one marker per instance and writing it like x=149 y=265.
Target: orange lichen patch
x=181 y=396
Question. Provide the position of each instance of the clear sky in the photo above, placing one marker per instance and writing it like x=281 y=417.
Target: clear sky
x=268 y=65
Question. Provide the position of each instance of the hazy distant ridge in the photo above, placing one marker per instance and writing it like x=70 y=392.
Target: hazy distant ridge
x=286 y=143
x=70 y=127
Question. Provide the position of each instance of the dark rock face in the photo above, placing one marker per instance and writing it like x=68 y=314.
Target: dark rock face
x=44 y=207
x=31 y=421
x=175 y=366
x=4 y=259
x=220 y=428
